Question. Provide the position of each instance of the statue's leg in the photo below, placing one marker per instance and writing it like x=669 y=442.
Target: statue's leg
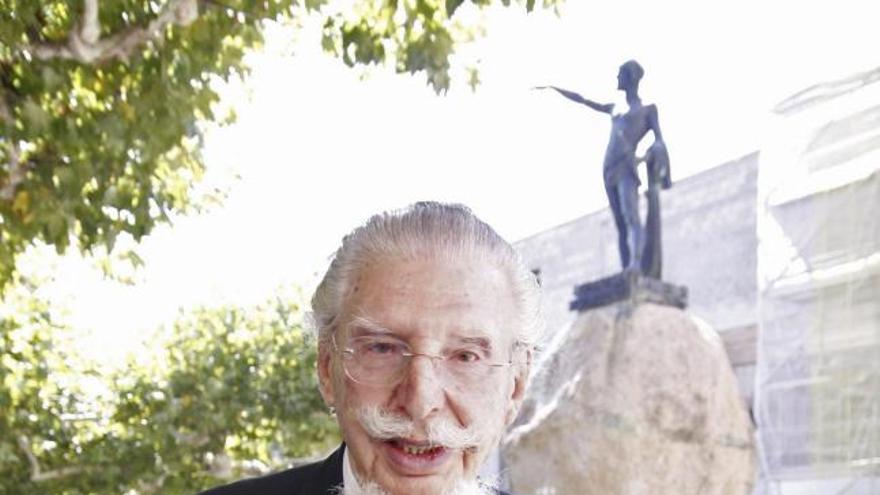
x=614 y=204
x=652 y=256
x=628 y=195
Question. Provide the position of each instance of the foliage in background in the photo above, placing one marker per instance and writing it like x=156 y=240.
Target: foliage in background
x=415 y=35
x=37 y=402
x=102 y=106
x=232 y=392
x=100 y=101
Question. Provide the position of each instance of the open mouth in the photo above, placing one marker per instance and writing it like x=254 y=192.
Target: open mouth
x=416 y=458
x=415 y=449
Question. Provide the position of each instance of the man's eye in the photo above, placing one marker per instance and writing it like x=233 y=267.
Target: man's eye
x=466 y=356
x=382 y=348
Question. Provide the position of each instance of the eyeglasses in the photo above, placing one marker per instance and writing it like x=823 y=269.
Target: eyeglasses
x=382 y=361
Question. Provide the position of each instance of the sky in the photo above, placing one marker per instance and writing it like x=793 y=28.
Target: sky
x=318 y=147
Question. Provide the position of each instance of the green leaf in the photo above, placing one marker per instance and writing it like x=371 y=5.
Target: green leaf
x=36 y=118
x=452 y=6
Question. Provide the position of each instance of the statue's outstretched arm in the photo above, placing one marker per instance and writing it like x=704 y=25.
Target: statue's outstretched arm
x=571 y=95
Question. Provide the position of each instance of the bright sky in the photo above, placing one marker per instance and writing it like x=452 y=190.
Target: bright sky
x=318 y=149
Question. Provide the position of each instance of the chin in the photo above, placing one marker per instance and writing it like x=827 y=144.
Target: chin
x=423 y=486
x=439 y=483
x=437 y=486
x=448 y=479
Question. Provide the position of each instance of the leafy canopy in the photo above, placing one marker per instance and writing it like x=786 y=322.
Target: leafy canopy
x=232 y=392
x=101 y=100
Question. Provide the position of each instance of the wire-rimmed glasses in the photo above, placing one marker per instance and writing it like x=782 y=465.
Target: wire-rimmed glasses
x=383 y=361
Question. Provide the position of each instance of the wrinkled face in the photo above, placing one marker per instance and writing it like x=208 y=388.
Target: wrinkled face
x=440 y=308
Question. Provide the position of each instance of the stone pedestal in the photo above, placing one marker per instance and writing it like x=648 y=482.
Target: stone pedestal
x=634 y=399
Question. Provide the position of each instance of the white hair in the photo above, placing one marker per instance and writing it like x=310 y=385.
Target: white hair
x=426 y=230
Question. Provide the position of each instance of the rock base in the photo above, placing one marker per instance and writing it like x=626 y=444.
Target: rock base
x=633 y=400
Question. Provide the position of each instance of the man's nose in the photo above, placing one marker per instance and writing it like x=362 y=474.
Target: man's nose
x=422 y=392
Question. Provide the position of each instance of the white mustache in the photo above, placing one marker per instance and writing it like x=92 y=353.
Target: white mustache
x=386 y=425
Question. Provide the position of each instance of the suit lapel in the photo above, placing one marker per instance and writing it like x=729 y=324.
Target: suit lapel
x=328 y=477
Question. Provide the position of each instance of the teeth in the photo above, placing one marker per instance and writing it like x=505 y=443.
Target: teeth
x=413 y=450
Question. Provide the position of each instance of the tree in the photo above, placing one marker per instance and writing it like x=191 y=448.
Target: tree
x=39 y=395
x=231 y=392
x=100 y=101
x=234 y=393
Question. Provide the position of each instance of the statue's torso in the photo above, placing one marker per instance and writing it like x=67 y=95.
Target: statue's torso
x=627 y=129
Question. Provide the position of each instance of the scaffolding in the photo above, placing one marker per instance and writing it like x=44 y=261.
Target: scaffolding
x=817 y=379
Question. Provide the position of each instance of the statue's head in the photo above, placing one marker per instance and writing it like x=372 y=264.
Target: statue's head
x=629 y=75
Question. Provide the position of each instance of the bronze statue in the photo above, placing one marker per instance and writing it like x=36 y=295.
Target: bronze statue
x=628 y=127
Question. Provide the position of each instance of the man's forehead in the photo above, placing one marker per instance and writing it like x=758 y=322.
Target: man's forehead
x=458 y=286
x=462 y=298
x=360 y=324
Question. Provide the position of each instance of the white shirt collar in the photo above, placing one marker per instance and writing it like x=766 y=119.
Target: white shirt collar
x=349 y=480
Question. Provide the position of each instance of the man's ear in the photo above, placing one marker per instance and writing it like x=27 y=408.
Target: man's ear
x=520 y=380
x=325 y=373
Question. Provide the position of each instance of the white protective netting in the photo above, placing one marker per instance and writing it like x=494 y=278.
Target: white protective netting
x=817 y=377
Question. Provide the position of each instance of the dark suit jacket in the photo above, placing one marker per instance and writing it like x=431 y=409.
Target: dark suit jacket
x=319 y=478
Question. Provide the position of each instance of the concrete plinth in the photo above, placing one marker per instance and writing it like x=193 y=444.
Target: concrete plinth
x=628 y=286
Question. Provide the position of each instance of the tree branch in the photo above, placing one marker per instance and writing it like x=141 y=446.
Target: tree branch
x=85 y=45
x=223 y=467
x=220 y=5
x=38 y=474
x=91 y=25
x=152 y=486
x=17 y=173
x=16 y=170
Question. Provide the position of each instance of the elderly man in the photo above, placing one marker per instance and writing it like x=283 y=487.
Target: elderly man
x=426 y=321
